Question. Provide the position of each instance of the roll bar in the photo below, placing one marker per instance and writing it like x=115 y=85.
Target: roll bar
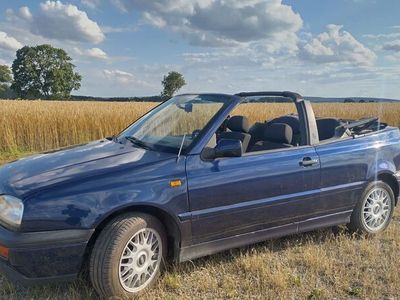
x=294 y=96
x=308 y=125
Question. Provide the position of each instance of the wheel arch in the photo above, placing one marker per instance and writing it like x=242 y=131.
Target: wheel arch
x=172 y=229
x=390 y=180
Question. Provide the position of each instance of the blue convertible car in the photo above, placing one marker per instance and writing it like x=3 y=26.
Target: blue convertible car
x=190 y=178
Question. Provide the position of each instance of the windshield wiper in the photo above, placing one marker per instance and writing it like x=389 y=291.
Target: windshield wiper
x=138 y=142
x=112 y=138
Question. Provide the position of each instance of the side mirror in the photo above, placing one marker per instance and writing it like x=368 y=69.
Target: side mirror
x=228 y=148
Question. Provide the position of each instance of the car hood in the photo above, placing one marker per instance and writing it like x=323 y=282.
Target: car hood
x=36 y=172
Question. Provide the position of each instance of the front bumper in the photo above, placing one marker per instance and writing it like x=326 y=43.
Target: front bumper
x=40 y=257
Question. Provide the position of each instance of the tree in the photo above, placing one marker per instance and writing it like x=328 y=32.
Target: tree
x=5 y=81
x=5 y=74
x=44 y=72
x=172 y=83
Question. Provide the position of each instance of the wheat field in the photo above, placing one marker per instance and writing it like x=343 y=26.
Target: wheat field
x=31 y=126
x=327 y=264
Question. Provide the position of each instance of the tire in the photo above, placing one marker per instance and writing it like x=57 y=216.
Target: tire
x=374 y=211
x=141 y=239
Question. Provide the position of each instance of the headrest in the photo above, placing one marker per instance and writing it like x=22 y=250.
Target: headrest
x=326 y=127
x=291 y=120
x=279 y=133
x=328 y=122
x=238 y=124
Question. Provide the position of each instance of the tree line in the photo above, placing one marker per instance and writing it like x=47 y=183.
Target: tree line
x=46 y=72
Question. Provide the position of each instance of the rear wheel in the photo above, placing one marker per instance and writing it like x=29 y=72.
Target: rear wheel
x=374 y=211
x=127 y=256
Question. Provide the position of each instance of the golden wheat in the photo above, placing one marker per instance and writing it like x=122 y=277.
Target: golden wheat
x=31 y=126
x=40 y=125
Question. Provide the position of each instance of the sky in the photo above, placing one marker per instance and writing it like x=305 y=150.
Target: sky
x=330 y=48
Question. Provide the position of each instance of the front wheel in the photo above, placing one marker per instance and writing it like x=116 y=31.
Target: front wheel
x=128 y=255
x=374 y=210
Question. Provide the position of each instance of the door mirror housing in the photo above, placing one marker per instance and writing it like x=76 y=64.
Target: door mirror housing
x=228 y=148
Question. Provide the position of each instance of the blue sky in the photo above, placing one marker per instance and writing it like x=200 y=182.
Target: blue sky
x=124 y=47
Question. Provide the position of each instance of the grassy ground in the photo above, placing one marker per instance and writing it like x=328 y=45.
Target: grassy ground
x=326 y=264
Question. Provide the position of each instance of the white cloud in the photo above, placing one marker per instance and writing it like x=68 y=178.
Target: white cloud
x=118 y=75
x=125 y=79
x=154 y=20
x=316 y=48
x=9 y=13
x=97 y=53
x=337 y=45
x=385 y=36
x=393 y=57
x=113 y=29
x=91 y=3
x=115 y=82
x=60 y=21
x=8 y=42
x=221 y=22
x=25 y=13
x=392 y=46
x=242 y=57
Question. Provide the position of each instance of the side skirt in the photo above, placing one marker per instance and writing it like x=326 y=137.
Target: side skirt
x=208 y=248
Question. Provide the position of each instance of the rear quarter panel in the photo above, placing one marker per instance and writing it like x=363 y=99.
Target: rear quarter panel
x=347 y=166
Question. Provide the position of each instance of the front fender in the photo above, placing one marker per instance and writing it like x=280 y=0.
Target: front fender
x=84 y=204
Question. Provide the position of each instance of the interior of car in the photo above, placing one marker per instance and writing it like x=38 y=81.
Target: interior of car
x=278 y=133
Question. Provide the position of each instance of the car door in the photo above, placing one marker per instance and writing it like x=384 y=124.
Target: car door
x=231 y=196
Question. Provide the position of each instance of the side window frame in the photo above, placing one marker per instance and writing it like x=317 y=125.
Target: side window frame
x=308 y=127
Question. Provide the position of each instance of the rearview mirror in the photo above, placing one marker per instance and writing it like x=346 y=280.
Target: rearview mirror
x=228 y=148
x=187 y=107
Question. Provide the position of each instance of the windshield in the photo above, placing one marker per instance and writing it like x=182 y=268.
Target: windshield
x=178 y=121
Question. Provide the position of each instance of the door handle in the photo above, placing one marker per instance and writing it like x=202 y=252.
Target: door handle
x=308 y=161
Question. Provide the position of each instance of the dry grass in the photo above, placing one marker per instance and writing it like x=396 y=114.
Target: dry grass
x=328 y=264
x=28 y=126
